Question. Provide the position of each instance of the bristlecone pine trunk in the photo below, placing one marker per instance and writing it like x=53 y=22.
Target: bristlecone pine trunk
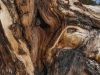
x=49 y=37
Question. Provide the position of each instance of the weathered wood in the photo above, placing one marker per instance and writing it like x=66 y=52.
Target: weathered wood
x=49 y=37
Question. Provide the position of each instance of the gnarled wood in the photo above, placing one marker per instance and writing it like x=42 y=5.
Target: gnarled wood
x=49 y=37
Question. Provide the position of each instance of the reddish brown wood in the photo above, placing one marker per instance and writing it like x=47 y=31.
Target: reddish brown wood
x=49 y=37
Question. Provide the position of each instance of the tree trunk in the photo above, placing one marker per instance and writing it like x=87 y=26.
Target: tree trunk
x=49 y=37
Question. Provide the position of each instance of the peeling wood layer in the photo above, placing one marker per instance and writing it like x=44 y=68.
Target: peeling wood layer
x=15 y=45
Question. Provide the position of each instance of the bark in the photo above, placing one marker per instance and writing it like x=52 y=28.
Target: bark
x=49 y=37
